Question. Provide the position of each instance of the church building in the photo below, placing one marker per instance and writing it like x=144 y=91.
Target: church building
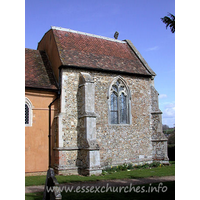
x=95 y=97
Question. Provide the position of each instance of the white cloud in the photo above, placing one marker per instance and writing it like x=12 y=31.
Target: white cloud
x=169 y=115
x=161 y=96
x=152 y=48
x=169 y=111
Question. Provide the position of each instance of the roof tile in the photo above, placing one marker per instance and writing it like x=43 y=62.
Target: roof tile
x=84 y=50
x=38 y=72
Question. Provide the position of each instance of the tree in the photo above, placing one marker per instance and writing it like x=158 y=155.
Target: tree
x=165 y=127
x=171 y=139
x=169 y=21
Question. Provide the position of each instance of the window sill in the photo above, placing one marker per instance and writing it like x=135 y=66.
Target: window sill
x=119 y=124
x=28 y=125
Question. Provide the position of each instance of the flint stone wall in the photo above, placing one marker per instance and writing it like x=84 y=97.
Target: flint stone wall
x=118 y=143
x=159 y=141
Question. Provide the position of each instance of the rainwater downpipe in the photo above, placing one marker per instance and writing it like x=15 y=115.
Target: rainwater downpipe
x=57 y=97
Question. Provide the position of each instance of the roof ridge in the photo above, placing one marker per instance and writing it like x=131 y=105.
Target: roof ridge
x=87 y=34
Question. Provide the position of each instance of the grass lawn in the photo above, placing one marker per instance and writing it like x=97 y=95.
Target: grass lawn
x=169 y=193
x=135 y=173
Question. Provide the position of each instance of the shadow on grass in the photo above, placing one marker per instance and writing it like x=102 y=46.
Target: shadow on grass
x=34 y=196
x=135 y=173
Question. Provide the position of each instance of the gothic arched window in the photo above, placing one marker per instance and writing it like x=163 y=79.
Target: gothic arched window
x=119 y=102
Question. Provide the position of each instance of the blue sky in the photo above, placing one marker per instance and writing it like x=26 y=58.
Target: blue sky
x=136 y=20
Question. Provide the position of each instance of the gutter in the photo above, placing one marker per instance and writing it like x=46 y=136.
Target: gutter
x=57 y=97
x=41 y=89
x=105 y=70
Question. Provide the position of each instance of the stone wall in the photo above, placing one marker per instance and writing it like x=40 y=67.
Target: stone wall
x=124 y=143
x=118 y=143
x=159 y=141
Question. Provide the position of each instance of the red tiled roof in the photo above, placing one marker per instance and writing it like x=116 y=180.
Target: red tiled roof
x=38 y=72
x=82 y=50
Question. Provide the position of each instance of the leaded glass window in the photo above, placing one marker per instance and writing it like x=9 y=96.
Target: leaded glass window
x=119 y=101
x=114 y=108
x=26 y=114
x=123 y=109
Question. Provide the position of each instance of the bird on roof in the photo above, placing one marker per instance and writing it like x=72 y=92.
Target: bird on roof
x=116 y=35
